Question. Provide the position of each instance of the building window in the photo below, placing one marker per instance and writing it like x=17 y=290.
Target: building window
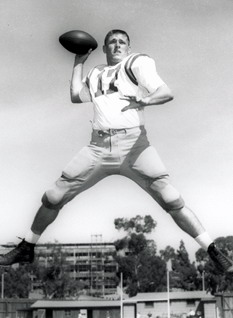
x=149 y=304
x=67 y=313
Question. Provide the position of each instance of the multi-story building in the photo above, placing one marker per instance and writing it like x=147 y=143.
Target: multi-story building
x=91 y=263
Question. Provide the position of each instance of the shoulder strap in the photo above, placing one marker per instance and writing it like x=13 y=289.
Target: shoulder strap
x=128 y=66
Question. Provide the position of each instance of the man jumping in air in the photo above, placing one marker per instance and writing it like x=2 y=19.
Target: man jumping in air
x=119 y=91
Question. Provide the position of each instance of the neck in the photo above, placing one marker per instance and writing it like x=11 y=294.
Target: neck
x=112 y=62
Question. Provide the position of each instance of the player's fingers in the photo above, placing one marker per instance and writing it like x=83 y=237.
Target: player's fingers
x=133 y=106
x=132 y=98
x=89 y=51
x=128 y=97
x=125 y=98
x=125 y=108
x=81 y=58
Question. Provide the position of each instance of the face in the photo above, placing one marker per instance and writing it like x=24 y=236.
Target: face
x=117 y=48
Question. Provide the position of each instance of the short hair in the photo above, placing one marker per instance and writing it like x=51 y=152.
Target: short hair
x=115 y=31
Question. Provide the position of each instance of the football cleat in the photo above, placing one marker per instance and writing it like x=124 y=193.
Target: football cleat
x=22 y=253
x=221 y=261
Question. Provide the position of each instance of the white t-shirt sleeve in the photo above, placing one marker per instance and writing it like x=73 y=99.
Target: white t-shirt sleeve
x=144 y=69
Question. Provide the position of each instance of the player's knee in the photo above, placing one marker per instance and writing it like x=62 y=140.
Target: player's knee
x=174 y=205
x=166 y=195
x=52 y=202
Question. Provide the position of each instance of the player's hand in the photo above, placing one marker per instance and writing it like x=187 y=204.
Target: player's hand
x=133 y=103
x=80 y=59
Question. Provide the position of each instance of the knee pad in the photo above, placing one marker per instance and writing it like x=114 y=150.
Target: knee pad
x=51 y=205
x=166 y=195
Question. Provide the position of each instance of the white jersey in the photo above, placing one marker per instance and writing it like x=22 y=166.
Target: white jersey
x=135 y=76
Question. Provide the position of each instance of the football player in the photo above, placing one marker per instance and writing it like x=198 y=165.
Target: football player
x=120 y=91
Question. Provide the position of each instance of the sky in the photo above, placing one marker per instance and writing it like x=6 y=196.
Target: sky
x=41 y=130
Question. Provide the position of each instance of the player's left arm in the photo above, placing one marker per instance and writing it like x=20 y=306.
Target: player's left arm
x=162 y=95
x=147 y=76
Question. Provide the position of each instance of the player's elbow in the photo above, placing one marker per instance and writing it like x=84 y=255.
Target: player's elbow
x=167 y=98
x=75 y=99
x=170 y=97
x=80 y=96
x=167 y=94
x=75 y=96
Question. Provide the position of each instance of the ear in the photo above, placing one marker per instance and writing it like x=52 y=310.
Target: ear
x=104 y=49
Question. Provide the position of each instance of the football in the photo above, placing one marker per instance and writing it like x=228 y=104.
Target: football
x=78 y=42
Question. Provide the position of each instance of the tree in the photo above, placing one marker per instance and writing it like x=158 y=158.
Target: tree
x=187 y=271
x=142 y=269
x=152 y=273
x=184 y=275
x=56 y=279
x=168 y=253
x=137 y=224
x=17 y=282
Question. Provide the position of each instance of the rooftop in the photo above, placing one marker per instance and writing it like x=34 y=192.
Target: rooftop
x=81 y=302
x=172 y=295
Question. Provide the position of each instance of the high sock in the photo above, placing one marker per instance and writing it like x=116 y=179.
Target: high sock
x=204 y=240
x=32 y=237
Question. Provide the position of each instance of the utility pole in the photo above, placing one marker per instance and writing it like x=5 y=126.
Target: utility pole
x=121 y=285
x=2 y=286
x=203 y=280
x=169 y=268
x=168 y=294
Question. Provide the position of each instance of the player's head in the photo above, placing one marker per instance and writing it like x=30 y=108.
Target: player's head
x=116 y=46
x=116 y=31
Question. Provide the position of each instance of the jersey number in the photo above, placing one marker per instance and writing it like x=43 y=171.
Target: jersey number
x=111 y=78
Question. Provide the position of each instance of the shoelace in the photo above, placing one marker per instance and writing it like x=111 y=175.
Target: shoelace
x=222 y=259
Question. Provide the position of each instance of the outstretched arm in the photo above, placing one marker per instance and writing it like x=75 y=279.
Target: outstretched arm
x=162 y=95
x=79 y=91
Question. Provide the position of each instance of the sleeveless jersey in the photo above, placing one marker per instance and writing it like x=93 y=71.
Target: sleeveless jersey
x=135 y=76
